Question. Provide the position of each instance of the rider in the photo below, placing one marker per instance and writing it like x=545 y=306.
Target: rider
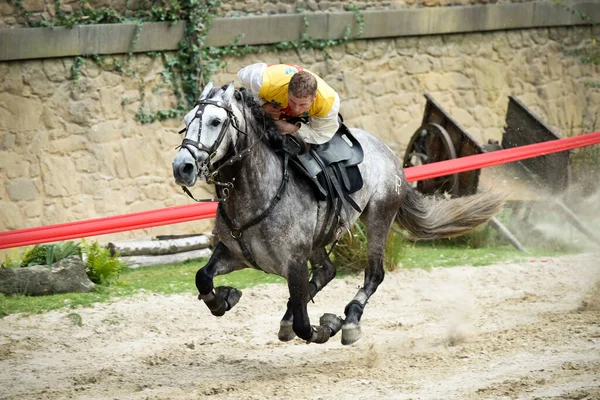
x=288 y=91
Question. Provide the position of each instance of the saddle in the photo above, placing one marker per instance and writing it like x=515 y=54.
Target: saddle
x=332 y=169
x=337 y=160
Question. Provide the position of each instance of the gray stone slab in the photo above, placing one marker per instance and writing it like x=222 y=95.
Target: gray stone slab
x=26 y=43
x=121 y=38
x=255 y=30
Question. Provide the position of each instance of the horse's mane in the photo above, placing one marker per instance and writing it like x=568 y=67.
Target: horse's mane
x=259 y=121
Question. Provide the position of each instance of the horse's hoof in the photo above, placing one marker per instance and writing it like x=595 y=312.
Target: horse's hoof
x=350 y=333
x=332 y=322
x=229 y=294
x=286 y=331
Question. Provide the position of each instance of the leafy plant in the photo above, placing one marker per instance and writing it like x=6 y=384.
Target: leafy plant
x=12 y=260
x=101 y=266
x=194 y=63
x=350 y=255
x=48 y=254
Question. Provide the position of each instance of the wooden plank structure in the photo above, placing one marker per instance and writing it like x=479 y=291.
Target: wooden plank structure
x=440 y=138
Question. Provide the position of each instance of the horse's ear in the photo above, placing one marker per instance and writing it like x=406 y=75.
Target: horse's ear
x=206 y=90
x=227 y=96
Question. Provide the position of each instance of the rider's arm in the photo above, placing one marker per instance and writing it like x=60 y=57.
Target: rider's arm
x=321 y=129
x=251 y=77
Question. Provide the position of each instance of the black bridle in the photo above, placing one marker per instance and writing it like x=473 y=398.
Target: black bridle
x=209 y=168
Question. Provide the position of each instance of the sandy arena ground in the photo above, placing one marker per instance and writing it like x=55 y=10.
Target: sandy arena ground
x=513 y=331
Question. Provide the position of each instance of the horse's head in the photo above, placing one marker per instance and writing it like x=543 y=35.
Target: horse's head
x=207 y=135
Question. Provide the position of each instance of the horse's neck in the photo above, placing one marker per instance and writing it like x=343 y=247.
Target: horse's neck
x=257 y=176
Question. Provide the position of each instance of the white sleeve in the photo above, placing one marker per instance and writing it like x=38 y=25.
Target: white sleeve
x=321 y=129
x=251 y=77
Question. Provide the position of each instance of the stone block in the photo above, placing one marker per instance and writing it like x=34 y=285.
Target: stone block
x=20 y=114
x=156 y=192
x=489 y=74
x=10 y=216
x=66 y=276
x=34 y=5
x=418 y=64
x=81 y=89
x=21 y=189
x=406 y=46
x=434 y=82
x=12 y=79
x=85 y=163
x=110 y=100
x=453 y=64
x=33 y=210
x=463 y=117
x=50 y=120
x=139 y=155
x=432 y=46
x=55 y=70
x=61 y=178
x=540 y=36
x=34 y=76
x=84 y=112
x=13 y=165
x=464 y=99
x=68 y=145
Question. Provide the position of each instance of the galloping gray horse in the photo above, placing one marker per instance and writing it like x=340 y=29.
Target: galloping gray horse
x=270 y=219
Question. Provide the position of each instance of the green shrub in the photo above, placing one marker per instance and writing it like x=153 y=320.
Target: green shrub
x=48 y=254
x=350 y=255
x=12 y=261
x=101 y=266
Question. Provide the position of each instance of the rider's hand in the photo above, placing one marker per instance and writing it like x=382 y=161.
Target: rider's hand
x=285 y=128
x=272 y=110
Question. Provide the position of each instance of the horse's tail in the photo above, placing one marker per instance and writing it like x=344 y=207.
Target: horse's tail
x=428 y=217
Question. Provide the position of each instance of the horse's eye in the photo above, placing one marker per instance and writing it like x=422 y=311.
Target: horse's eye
x=215 y=122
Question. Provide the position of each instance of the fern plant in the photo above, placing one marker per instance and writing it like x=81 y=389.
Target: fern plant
x=101 y=266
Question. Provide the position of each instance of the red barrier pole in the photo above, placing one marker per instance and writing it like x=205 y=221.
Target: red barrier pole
x=173 y=215
x=101 y=226
x=505 y=156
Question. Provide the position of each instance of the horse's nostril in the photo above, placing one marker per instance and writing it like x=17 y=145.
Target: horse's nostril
x=187 y=169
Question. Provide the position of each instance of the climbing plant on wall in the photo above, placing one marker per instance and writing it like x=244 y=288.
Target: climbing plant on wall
x=186 y=70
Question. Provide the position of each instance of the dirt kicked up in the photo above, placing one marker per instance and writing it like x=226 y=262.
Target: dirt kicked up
x=512 y=331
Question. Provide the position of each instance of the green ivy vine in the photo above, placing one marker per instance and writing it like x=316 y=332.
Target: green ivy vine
x=193 y=64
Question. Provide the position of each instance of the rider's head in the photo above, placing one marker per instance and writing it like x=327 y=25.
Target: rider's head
x=301 y=92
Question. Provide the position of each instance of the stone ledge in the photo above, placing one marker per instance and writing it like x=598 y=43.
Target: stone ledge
x=30 y=43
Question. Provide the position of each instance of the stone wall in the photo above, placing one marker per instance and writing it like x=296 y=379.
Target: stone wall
x=72 y=151
x=45 y=9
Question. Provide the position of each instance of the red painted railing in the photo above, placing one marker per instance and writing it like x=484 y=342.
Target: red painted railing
x=185 y=213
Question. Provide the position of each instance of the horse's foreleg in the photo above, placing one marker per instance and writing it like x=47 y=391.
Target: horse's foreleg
x=222 y=298
x=322 y=273
x=299 y=292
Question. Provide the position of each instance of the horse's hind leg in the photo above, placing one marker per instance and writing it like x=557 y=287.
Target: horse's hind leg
x=222 y=298
x=322 y=273
x=378 y=226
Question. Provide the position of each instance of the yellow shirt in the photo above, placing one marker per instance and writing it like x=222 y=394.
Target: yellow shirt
x=275 y=82
x=270 y=83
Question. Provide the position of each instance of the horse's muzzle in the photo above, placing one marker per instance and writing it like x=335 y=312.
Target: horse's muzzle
x=185 y=170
